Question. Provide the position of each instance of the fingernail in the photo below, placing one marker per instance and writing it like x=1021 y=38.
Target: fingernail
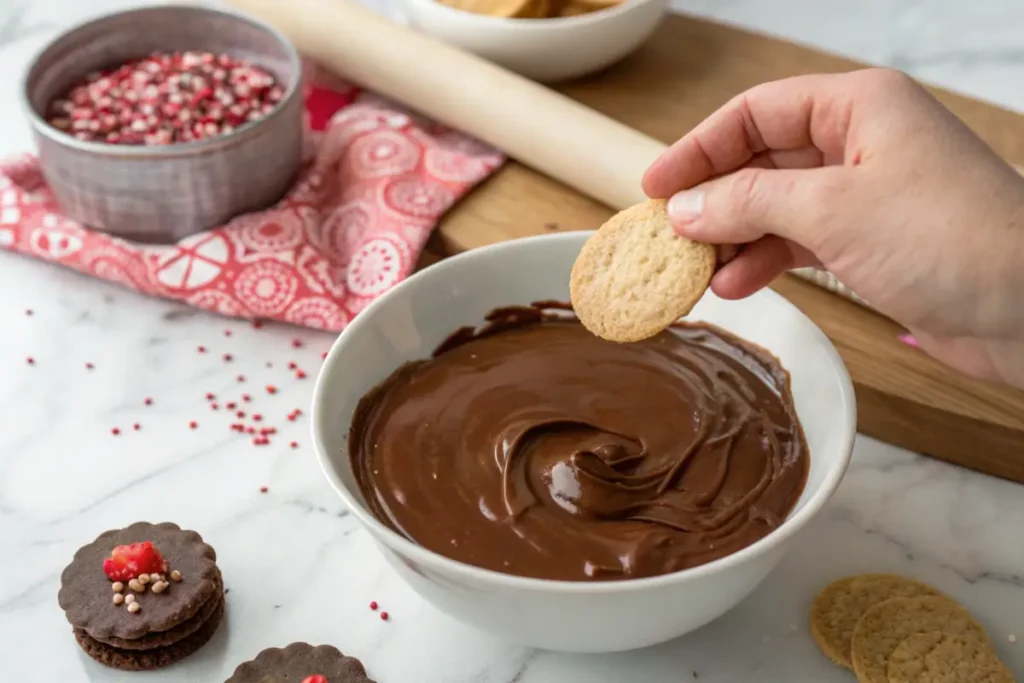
x=908 y=340
x=686 y=206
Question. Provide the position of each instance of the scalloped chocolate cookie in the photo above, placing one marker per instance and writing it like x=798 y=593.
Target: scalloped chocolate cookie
x=144 y=596
x=301 y=663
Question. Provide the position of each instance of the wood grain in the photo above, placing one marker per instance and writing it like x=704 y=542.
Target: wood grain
x=687 y=70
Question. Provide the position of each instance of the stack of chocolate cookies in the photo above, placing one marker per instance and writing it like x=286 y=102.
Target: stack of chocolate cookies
x=143 y=597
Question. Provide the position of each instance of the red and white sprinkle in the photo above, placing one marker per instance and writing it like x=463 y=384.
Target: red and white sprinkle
x=165 y=99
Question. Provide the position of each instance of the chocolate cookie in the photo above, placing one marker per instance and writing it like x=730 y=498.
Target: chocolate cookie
x=299 y=661
x=143 y=660
x=144 y=596
x=172 y=635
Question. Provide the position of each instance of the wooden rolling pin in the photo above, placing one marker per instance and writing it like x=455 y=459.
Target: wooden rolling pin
x=532 y=124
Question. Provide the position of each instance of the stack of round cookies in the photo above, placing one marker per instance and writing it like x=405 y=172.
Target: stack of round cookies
x=890 y=629
x=144 y=596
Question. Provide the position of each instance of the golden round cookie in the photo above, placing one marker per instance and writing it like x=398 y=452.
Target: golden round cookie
x=574 y=9
x=599 y=4
x=635 y=276
x=840 y=605
x=884 y=626
x=493 y=8
x=935 y=657
x=534 y=9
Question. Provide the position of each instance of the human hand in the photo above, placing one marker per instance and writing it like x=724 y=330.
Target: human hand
x=866 y=175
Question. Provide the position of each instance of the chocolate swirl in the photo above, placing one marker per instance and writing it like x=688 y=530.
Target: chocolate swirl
x=532 y=447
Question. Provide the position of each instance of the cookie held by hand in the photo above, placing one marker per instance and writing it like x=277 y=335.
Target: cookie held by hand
x=635 y=276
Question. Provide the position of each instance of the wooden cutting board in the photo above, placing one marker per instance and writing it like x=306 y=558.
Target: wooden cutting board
x=688 y=69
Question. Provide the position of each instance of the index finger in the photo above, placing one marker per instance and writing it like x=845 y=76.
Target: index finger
x=794 y=113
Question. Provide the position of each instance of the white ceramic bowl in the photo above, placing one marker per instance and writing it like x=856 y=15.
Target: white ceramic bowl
x=409 y=321
x=545 y=50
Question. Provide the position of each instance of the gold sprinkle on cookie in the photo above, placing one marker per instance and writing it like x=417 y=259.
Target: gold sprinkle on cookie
x=635 y=276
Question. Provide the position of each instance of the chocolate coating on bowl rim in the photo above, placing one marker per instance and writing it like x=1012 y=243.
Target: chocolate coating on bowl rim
x=531 y=447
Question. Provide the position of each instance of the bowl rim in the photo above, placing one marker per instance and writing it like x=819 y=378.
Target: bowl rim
x=541 y=24
x=246 y=130
x=790 y=527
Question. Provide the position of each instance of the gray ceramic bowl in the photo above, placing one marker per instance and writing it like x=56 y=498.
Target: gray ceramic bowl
x=162 y=194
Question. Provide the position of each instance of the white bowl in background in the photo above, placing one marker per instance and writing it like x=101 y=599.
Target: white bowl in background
x=546 y=50
x=409 y=321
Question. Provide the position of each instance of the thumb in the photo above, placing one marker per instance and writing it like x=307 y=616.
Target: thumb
x=750 y=203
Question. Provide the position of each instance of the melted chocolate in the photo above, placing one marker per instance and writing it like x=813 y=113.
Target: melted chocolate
x=532 y=447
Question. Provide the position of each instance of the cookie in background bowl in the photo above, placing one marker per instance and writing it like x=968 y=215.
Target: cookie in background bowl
x=530 y=9
x=544 y=40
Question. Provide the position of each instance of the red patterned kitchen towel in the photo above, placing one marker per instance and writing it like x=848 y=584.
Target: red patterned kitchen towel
x=376 y=180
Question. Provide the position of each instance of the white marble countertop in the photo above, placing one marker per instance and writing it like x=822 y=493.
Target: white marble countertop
x=297 y=567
